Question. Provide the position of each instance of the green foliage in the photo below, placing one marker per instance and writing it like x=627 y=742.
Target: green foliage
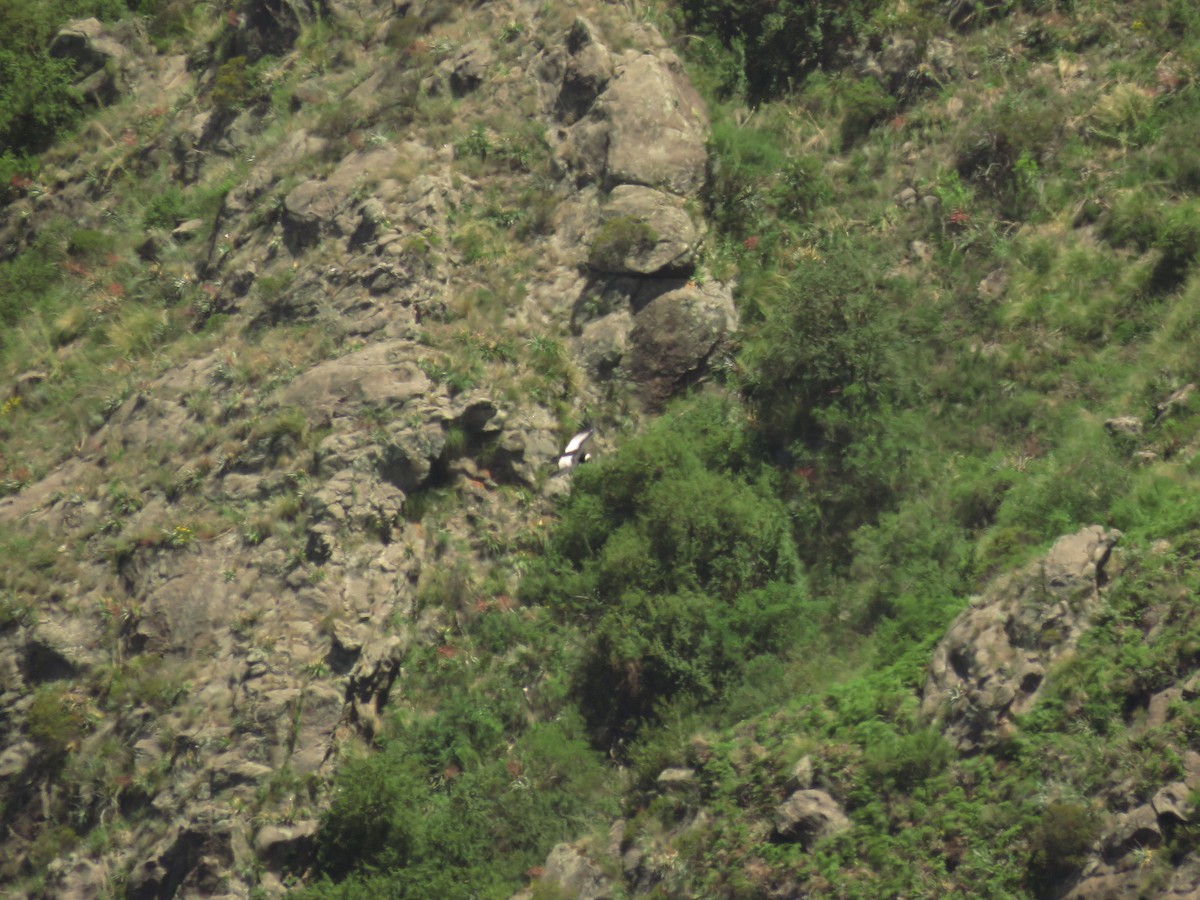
x=1059 y=843
x=407 y=823
x=57 y=720
x=865 y=103
x=757 y=184
x=166 y=209
x=770 y=48
x=89 y=244
x=237 y=85
x=681 y=561
x=827 y=341
x=26 y=279
x=1072 y=487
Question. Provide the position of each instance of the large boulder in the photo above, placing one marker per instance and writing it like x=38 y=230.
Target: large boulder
x=990 y=666
x=644 y=232
x=676 y=335
x=659 y=127
x=649 y=127
x=331 y=206
x=808 y=816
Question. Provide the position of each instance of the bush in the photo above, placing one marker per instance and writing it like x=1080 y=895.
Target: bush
x=89 y=244
x=771 y=47
x=25 y=280
x=56 y=721
x=827 y=339
x=679 y=558
x=1059 y=844
x=165 y=209
x=404 y=829
x=236 y=86
x=864 y=104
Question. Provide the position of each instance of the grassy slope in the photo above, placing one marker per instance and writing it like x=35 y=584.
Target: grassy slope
x=926 y=387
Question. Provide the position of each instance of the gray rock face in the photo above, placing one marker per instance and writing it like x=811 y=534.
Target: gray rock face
x=604 y=343
x=808 y=816
x=676 y=335
x=577 y=875
x=991 y=663
x=467 y=71
x=586 y=74
x=649 y=127
x=310 y=210
x=284 y=844
x=1174 y=801
x=659 y=126
x=320 y=208
x=674 y=242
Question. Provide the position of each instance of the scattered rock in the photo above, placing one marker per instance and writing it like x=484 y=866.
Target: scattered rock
x=808 y=816
x=676 y=780
x=576 y=874
x=1129 y=426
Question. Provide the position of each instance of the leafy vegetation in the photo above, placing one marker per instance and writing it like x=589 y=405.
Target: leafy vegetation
x=964 y=240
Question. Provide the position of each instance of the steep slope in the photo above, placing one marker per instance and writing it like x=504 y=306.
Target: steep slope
x=322 y=301
x=880 y=583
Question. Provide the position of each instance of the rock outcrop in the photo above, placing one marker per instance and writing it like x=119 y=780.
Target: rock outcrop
x=242 y=602
x=992 y=662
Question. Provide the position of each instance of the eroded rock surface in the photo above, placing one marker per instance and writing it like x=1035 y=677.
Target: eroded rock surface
x=991 y=664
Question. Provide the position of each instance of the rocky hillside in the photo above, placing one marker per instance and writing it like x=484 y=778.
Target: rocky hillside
x=879 y=583
x=329 y=291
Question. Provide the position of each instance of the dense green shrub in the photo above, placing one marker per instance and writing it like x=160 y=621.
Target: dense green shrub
x=770 y=47
x=57 y=720
x=406 y=829
x=827 y=339
x=864 y=104
x=679 y=558
x=165 y=209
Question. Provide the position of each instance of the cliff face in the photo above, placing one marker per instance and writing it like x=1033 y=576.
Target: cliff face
x=357 y=261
